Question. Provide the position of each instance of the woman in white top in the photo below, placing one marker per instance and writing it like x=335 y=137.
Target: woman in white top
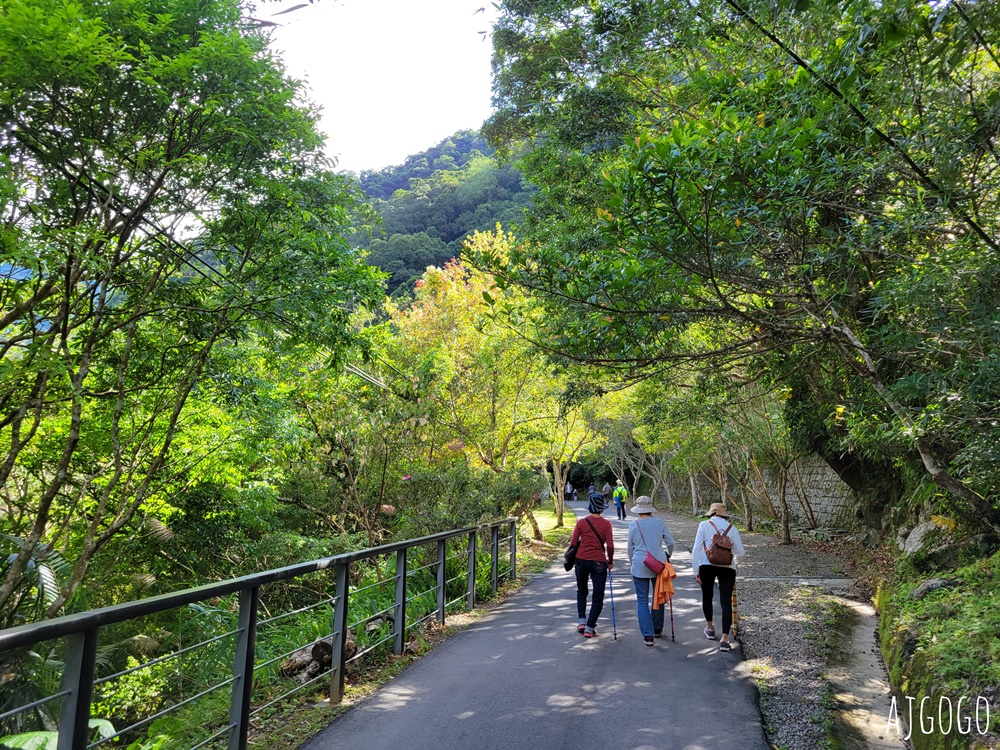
x=647 y=534
x=706 y=573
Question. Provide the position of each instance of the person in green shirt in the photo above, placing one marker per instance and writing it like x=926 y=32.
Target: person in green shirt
x=620 y=495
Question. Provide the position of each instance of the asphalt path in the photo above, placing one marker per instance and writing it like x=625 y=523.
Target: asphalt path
x=522 y=677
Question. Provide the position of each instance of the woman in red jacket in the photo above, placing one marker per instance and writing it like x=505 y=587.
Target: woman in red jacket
x=594 y=559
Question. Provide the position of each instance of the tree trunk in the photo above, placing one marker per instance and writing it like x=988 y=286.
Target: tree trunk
x=786 y=532
x=748 y=506
x=544 y=471
x=536 y=531
x=861 y=360
x=560 y=502
x=763 y=490
x=694 y=494
x=800 y=493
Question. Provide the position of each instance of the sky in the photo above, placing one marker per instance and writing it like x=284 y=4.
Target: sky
x=393 y=77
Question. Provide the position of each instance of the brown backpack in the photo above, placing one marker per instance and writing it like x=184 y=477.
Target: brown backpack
x=721 y=551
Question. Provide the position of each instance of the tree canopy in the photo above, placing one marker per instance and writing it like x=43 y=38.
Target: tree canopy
x=164 y=197
x=749 y=187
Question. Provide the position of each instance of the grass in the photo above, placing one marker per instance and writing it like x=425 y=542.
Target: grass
x=946 y=645
x=829 y=623
x=534 y=556
x=292 y=722
x=761 y=672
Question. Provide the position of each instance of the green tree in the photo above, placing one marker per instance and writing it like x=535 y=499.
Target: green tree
x=771 y=212
x=492 y=398
x=164 y=197
x=483 y=379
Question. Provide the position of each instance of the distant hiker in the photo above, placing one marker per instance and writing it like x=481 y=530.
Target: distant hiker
x=568 y=495
x=594 y=559
x=620 y=495
x=606 y=493
x=648 y=534
x=716 y=542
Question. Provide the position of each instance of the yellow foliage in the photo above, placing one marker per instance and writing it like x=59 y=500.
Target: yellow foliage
x=942 y=522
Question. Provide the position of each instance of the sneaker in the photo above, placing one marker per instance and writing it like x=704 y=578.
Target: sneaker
x=648 y=640
x=657 y=633
x=580 y=628
x=709 y=633
x=724 y=646
x=589 y=632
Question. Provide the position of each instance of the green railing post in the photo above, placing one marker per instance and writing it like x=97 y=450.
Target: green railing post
x=246 y=644
x=399 y=610
x=78 y=679
x=442 y=581
x=513 y=550
x=472 y=570
x=495 y=557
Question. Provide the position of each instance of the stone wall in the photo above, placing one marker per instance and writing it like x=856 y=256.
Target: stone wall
x=832 y=502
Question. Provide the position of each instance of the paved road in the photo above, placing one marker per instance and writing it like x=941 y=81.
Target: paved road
x=522 y=677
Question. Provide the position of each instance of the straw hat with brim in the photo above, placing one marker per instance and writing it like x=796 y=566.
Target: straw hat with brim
x=643 y=504
x=718 y=509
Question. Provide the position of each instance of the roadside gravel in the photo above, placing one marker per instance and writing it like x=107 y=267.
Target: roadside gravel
x=780 y=629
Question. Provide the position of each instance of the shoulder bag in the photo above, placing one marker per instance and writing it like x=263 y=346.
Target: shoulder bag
x=649 y=560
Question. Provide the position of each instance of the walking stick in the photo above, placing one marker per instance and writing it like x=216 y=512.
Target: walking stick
x=611 y=589
x=736 y=616
x=671 y=600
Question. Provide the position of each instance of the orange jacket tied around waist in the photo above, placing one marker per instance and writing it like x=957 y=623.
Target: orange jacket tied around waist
x=664 y=590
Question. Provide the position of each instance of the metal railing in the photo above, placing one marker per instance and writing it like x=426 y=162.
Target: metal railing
x=77 y=637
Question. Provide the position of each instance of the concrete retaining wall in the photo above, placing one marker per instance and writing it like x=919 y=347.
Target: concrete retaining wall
x=833 y=503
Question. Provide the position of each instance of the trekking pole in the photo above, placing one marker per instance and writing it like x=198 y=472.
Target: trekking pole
x=671 y=600
x=611 y=589
x=736 y=616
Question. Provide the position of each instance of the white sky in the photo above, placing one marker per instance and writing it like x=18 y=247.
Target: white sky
x=394 y=77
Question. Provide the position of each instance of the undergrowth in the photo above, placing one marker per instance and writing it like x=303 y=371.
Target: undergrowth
x=945 y=646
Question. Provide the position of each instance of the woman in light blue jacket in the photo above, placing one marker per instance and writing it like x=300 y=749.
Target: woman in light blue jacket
x=647 y=534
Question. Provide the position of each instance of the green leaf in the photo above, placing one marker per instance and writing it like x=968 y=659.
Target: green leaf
x=104 y=728
x=31 y=741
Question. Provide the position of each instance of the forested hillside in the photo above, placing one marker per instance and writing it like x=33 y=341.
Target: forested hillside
x=433 y=201
x=451 y=153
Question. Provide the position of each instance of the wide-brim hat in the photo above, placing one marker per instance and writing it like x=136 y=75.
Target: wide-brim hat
x=717 y=509
x=643 y=504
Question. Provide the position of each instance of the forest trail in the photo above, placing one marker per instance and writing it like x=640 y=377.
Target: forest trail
x=783 y=591
x=522 y=677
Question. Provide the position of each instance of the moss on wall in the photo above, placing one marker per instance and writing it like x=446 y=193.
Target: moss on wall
x=945 y=646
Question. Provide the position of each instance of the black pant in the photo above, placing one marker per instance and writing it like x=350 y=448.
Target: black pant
x=587 y=570
x=727 y=582
x=620 y=509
